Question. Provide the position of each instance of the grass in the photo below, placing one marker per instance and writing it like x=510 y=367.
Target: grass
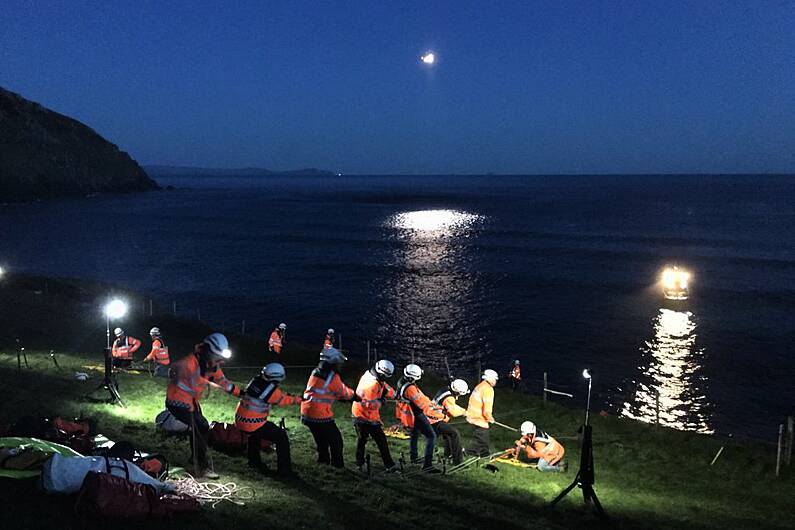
x=647 y=477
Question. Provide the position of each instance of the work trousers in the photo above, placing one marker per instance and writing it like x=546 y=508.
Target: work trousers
x=374 y=431
x=328 y=440
x=451 y=439
x=270 y=431
x=480 y=444
x=201 y=430
x=422 y=426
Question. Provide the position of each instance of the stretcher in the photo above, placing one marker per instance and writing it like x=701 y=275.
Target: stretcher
x=396 y=431
x=511 y=461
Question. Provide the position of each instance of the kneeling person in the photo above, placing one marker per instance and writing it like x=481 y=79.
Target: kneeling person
x=252 y=412
x=539 y=446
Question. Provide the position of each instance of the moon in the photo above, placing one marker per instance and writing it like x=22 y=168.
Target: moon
x=428 y=58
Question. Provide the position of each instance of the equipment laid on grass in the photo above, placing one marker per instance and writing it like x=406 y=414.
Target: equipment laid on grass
x=585 y=475
x=212 y=493
x=65 y=475
x=167 y=422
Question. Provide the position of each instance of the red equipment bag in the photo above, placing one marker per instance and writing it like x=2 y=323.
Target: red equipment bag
x=227 y=438
x=106 y=495
x=155 y=465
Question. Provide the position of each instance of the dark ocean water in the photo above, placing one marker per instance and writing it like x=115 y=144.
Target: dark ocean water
x=560 y=272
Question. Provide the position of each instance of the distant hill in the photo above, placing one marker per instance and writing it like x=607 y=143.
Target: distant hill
x=184 y=171
x=44 y=154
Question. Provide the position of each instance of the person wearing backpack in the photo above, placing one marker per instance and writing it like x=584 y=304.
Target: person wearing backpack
x=324 y=387
x=261 y=394
x=189 y=377
x=425 y=413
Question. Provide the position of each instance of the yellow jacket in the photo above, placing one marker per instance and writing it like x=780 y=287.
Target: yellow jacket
x=481 y=403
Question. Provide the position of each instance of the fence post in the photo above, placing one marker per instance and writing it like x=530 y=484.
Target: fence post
x=340 y=342
x=150 y=307
x=368 y=353
x=478 y=367
x=198 y=314
x=790 y=436
x=243 y=328
x=545 y=388
x=657 y=407
x=174 y=307
x=779 y=450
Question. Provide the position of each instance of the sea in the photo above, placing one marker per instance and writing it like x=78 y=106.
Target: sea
x=559 y=272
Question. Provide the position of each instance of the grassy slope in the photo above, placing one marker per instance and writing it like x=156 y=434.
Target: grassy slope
x=646 y=477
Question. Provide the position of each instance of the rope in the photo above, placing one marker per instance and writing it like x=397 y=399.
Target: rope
x=212 y=493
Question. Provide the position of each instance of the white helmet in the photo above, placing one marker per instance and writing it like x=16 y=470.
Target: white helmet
x=330 y=331
x=155 y=331
x=490 y=375
x=274 y=372
x=282 y=326
x=118 y=332
x=219 y=345
x=384 y=368
x=412 y=371
x=527 y=428
x=460 y=387
x=332 y=356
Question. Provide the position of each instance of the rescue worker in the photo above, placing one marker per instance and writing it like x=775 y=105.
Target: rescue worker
x=424 y=411
x=446 y=400
x=324 y=388
x=276 y=341
x=515 y=375
x=373 y=391
x=328 y=342
x=189 y=378
x=251 y=416
x=541 y=447
x=159 y=353
x=123 y=348
x=479 y=413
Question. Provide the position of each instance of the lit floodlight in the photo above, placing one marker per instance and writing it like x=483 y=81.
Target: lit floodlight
x=115 y=309
x=675 y=283
x=428 y=58
x=586 y=374
x=2 y=272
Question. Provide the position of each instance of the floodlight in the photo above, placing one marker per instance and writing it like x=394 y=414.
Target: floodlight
x=586 y=374
x=115 y=309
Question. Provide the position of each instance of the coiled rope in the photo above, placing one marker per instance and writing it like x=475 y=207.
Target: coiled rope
x=212 y=493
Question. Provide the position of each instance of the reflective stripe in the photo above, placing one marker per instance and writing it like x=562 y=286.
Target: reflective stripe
x=241 y=419
x=186 y=388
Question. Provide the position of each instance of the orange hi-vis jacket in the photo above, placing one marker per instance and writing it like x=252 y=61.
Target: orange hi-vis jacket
x=323 y=388
x=256 y=403
x=445 y=399
x=124 y=347
x=372 y=392
x=187 y=383
x=275 y=342
x=543 y=446
x=404 y=415
x=419 y=402
x=516 y=373
x=481 y=402
x=159 y=353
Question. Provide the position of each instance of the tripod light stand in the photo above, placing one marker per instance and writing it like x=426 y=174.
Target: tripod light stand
x=115 y=309
x=585 y=475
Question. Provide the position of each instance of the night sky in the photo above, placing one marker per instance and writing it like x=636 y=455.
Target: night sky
x=519 y=87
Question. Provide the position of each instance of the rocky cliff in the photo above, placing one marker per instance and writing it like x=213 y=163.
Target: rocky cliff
x=44 y=154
